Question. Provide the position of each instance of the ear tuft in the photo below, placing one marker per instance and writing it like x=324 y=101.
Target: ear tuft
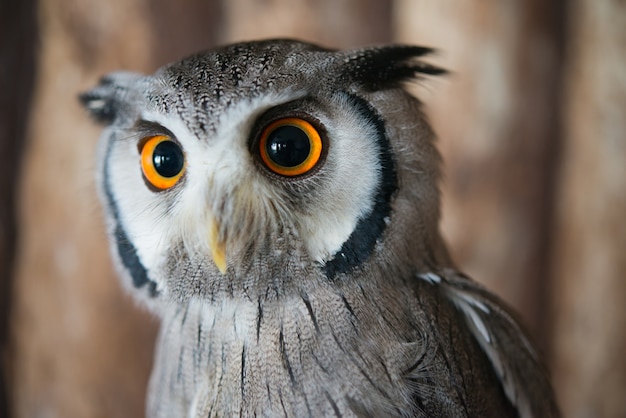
x=102 y=109
x=105 y=101
x=389 y=66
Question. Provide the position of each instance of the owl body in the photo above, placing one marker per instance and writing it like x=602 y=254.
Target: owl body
x=277 y=205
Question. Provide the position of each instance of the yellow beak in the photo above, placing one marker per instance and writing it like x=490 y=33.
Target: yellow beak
x=218 y=248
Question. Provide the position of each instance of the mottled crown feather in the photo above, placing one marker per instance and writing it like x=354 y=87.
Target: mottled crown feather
x=246 y=67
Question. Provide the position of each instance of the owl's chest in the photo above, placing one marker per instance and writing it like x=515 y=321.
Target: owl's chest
x=248 y=359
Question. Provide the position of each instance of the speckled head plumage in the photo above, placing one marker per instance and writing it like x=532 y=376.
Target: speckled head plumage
x=276 y=204
x=215 y=106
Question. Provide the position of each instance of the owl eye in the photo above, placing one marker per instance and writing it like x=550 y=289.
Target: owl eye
x=290 y=147
x=162 y=161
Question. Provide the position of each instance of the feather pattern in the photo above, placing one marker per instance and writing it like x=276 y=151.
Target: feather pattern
x=505 y=344
x=326 y=293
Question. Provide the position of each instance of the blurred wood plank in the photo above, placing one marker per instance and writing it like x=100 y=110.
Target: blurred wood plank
x=80 y=347
x=497 y=119
x=17 y=68
x=590 y=234
x=331 y=23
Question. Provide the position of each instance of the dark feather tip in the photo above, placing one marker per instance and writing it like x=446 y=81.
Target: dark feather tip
x=389 y=66
x=101 y=108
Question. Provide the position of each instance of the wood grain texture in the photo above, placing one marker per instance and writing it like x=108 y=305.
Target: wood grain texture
x=338 y=24
x=590 y=233
x=17 y=67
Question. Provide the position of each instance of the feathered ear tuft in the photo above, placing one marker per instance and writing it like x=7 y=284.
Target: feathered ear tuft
x=105 y=101
x=102 y=109
x=388 y=66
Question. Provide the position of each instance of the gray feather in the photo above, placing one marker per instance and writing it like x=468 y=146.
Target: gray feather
x=328 y=292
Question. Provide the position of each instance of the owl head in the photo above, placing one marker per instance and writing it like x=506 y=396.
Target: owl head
x=262 y=168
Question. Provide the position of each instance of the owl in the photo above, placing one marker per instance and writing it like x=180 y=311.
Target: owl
x=276 y=205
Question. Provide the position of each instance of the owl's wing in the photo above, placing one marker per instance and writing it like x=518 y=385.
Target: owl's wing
x=506 y=345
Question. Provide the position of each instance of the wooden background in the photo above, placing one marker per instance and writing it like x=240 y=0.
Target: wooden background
x=532 y=125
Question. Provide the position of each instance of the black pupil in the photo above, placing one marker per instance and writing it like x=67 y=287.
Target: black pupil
x=168 y=159
x=288 y=146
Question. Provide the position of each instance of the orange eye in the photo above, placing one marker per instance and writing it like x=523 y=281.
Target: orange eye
x=162 y=162
x=290 y=147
